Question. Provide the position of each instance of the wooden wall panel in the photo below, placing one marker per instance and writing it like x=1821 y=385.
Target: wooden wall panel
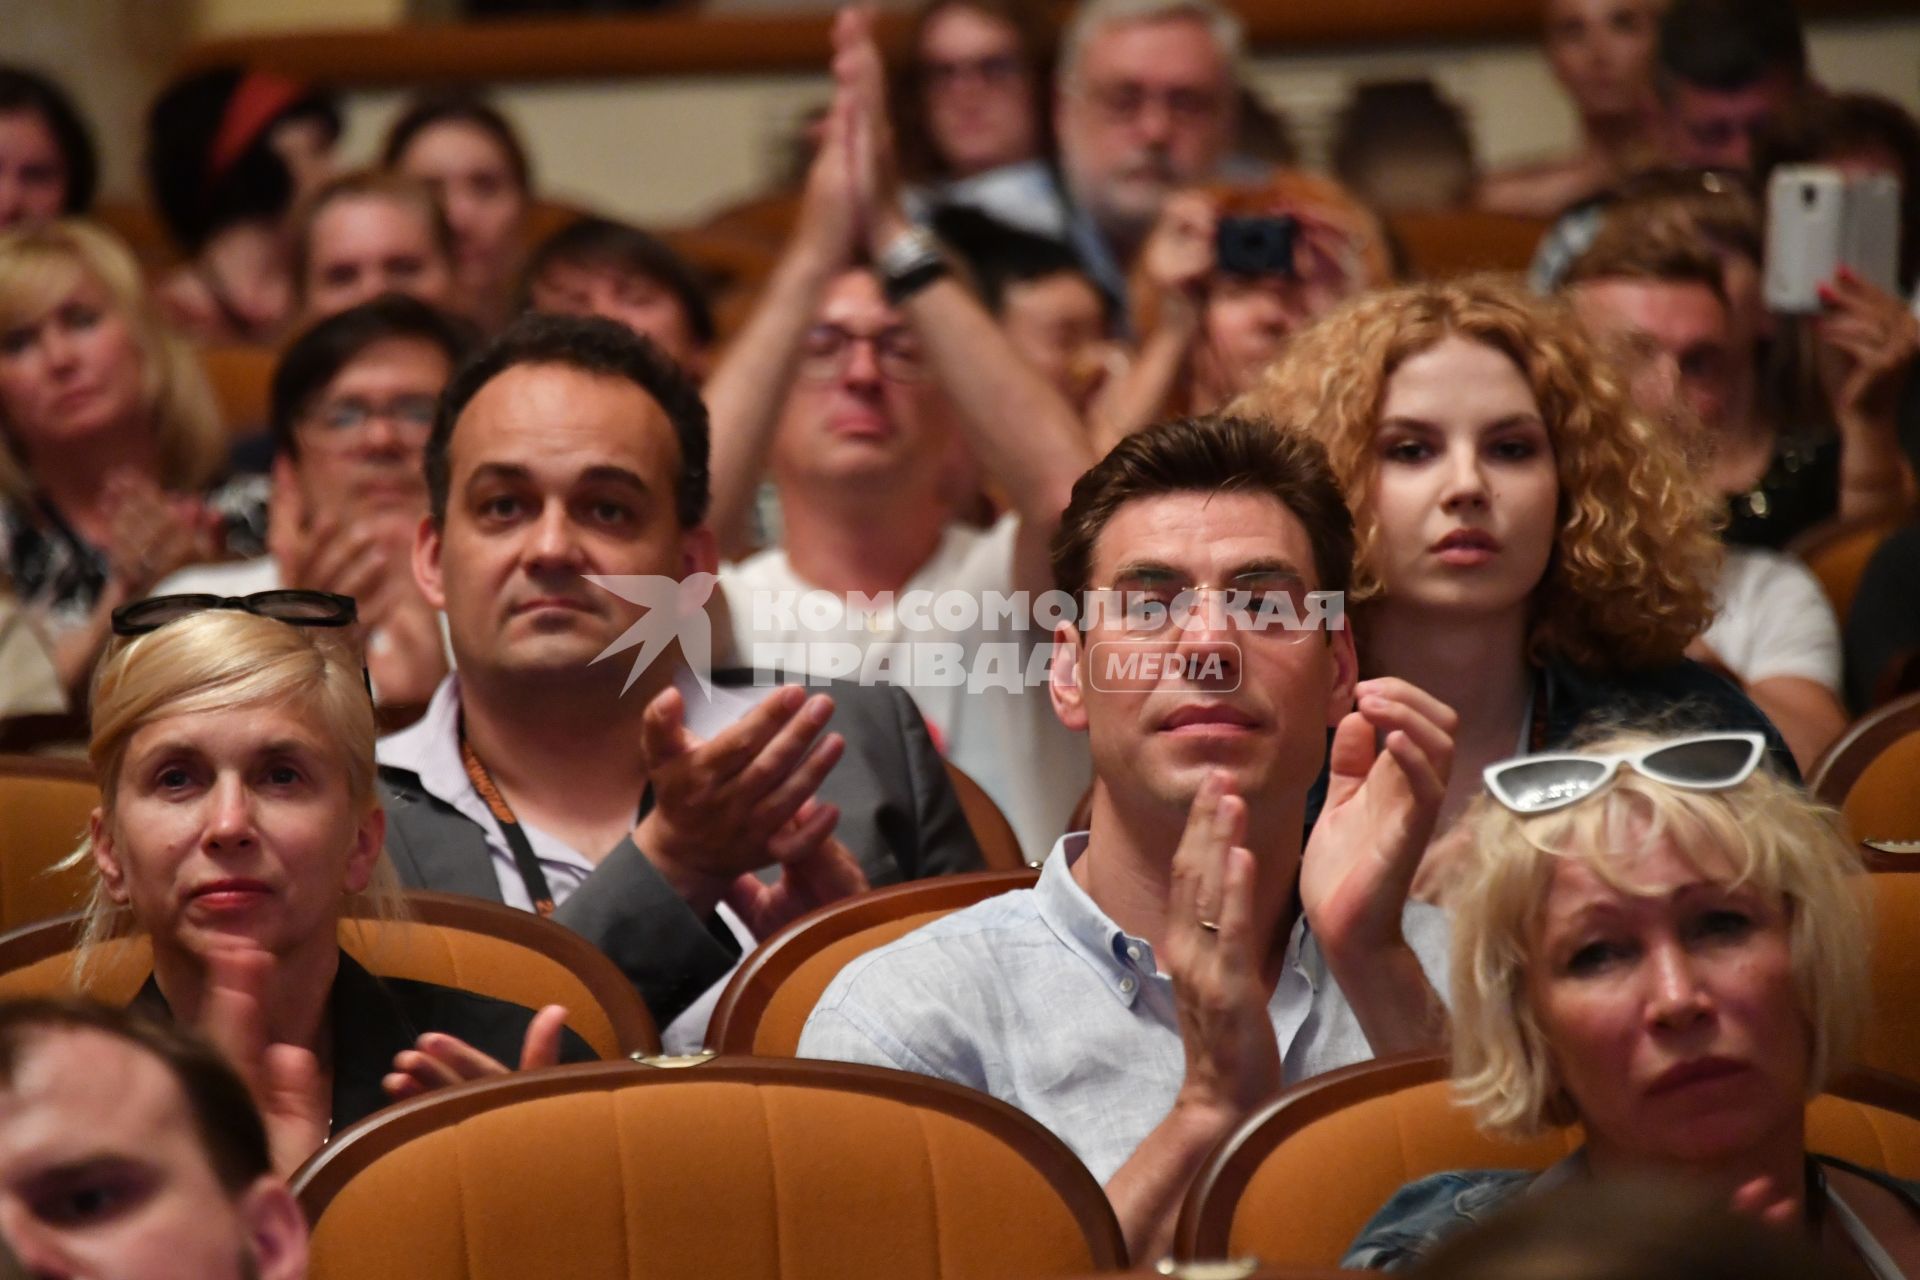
x=612 y=48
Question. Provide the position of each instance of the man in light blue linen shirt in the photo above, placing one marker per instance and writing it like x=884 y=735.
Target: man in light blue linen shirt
x=1183 y=959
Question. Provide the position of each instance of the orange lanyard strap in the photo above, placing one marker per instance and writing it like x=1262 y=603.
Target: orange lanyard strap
x=524 y=859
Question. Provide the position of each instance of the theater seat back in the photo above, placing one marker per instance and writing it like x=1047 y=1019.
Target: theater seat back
x=456 y=942
x=768 y=999
x=743 y=1169
x=1343 y=1143
x=44 y=805
x=1870 y=773
x=1891 y=1040
x=1839 y=549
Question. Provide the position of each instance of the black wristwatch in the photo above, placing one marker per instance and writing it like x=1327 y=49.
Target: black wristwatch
x=909 y=263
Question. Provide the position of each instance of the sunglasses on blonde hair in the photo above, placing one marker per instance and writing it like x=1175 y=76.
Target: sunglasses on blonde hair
x=298 y=607
x=294 y=606
x=1702 y=762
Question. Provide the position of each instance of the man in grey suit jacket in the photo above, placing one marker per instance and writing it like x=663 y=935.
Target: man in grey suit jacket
x=567 y=474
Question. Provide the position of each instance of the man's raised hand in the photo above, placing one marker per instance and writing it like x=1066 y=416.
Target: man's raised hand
x=1379 y=815
x=1216 y=953
x=720 y=805
x=815 y=869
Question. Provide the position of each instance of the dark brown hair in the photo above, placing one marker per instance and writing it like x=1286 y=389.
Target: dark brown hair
x=230 y=1129
x=604 y=244
x=1645 y=244
x=920 y=158
x=1214 y=454
x=459 y=107
x=590 y=344
x=1592 y=1229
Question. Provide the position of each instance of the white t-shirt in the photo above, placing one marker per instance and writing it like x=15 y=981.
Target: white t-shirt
x=29 y=684
x=977 y=673
x=1774 y=620
x=235 y=578
x=246 y=577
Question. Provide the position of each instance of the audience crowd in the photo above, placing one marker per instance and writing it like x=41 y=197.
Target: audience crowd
x=1368 y=662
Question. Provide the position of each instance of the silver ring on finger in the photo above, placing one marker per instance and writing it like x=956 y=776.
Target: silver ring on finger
x=1211 y=926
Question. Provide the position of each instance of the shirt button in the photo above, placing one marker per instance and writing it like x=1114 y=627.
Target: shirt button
x=1133 y=954
x=1127 y=985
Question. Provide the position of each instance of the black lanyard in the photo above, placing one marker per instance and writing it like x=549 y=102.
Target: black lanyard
x=525 y=860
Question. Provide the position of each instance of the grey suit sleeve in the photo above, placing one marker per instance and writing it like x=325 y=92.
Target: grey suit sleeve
x=631 y=913
x=946 y=843
x=898 y=813
x=624 y=908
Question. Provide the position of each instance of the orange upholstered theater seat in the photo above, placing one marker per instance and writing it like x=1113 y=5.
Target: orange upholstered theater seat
x=1872 y=775
x=44 y=803
x=999 y=846
x=1891 y=1040
x=767 y=1001
x=1299 y=1180
x=742 y=1168
x=482 y=947
x=1838 y=550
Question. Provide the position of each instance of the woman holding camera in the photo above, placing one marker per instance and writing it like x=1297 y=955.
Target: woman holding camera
x=1660 y=940
x=233 y=741
x=1224 y=279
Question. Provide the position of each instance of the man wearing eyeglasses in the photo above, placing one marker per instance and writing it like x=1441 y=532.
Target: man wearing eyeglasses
x=1145 y=106
x=871 y=395
x=352 y=405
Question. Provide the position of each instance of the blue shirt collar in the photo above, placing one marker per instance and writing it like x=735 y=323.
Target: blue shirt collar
x=1123 y=961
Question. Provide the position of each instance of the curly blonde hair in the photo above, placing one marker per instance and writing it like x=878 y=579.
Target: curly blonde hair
x=1630 y=580
x=1766 y=832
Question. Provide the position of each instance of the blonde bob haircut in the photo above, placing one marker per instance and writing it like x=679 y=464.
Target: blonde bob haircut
x=1765 y=833
x=221 y=660
x=1629 y=582
x=39 y=266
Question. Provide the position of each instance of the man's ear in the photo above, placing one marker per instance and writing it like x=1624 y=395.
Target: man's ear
x=699 y=551
x=276 y=1230
x=427 y=540
x=106 y=858
x=1346 y=673
x=1064 y=678
x=369 y=838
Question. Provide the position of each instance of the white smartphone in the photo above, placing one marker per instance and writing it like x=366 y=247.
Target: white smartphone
x=1819 y=220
